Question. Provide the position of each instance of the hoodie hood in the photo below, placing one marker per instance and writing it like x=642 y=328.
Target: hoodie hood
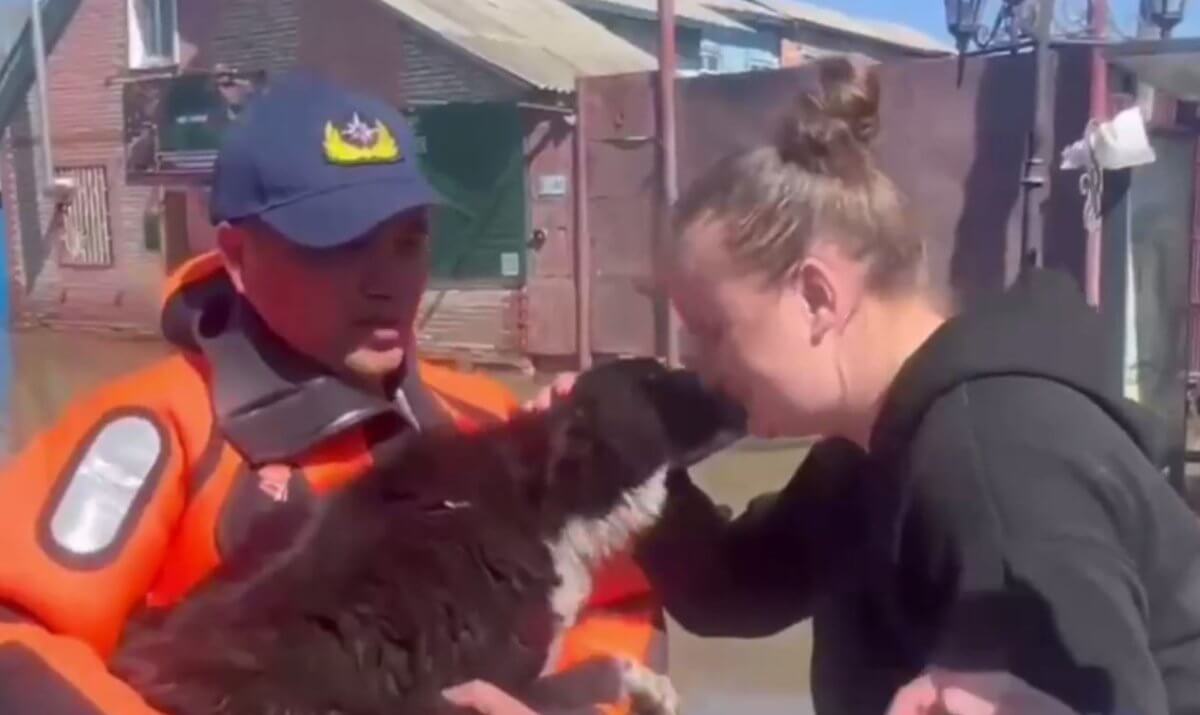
x=1041 y=327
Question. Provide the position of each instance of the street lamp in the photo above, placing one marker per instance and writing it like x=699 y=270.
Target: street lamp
x=1166 y=14
x=962 y=17
x=1025 y=23
x=1016 y=21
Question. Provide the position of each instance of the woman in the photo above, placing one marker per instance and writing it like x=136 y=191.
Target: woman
x=984 y=503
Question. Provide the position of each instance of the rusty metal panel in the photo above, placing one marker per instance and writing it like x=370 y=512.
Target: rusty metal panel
x=723 y=114
x=550 y=288
x=956 y=150
x=551 y=327
x=1194 y=277
x=549 y=167
x=620 y=107
x=623 y=200
x=622 y=235
x=623 y=321
x=962 y=178
x=622 y=168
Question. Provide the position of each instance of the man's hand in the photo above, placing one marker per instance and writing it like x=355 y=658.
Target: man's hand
x=947 y=693
x=486 y=699
x=559 y=387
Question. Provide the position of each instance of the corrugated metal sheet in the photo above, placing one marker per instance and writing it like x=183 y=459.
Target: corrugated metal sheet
x=699 y=12
x=543 y=42
x=888 y=32
x=746 y=9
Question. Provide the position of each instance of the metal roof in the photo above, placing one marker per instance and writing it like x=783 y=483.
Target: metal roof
x=886 y=32
x=694 y=12
x=544 y=43
x=17 y=70
x=1172 y=65
x=746 y=9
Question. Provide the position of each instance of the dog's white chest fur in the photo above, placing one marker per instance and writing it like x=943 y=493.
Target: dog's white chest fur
x=585 y=544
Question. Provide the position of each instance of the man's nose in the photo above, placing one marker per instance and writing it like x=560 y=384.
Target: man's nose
x=382 y=272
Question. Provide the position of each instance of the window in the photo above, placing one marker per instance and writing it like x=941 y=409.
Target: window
x=153 y=31
x=710 y=60
x=85 y=237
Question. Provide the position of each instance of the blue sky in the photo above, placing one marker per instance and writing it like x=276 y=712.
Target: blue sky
x=930 y=15
x=927 y=15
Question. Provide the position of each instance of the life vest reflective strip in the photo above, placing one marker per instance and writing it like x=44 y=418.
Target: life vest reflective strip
x=53 y=576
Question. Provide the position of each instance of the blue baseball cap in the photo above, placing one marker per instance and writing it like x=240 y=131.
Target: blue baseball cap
x=319 y=164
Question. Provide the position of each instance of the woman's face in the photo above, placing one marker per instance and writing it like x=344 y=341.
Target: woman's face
x=774 y=348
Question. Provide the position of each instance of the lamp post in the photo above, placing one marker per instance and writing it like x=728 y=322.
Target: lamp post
x=1165 y=14
x=669 y=154
x=1020 y=24
x=39 y=69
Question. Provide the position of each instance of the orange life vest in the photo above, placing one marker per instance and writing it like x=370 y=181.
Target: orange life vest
x=125 y=502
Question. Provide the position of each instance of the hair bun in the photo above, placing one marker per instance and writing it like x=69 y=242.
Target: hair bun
x=830 y=130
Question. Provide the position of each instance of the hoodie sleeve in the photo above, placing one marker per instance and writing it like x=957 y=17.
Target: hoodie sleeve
x=1028 y=521
x=758 y=574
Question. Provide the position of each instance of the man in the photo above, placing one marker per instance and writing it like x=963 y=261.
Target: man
x=295 y=358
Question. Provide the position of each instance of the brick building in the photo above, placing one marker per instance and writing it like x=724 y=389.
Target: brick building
x=100 y=261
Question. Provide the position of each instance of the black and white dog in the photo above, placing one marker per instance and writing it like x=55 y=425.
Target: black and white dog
x=462 y=557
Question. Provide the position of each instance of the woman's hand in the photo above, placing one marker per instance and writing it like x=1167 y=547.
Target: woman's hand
x=486 y=699
x=559 y=387
x=944 y=692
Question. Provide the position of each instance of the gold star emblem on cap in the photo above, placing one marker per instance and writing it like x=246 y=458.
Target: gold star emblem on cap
x=358 y=143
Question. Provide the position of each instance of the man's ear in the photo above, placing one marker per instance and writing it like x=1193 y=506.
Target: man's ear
x=231 y=243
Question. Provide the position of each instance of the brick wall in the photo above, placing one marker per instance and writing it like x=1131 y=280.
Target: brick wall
x=85 y=104
x=360 y=42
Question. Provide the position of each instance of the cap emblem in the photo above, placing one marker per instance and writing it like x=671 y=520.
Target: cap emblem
x=360 y=143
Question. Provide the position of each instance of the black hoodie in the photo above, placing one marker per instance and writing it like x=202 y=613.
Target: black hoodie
x=1010 y=516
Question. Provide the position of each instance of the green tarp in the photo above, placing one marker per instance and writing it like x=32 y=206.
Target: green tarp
x=473 y=153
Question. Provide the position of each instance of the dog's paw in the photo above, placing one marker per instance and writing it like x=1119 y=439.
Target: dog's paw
x=649 y=693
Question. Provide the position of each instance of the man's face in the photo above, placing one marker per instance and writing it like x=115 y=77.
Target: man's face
x=350 y=308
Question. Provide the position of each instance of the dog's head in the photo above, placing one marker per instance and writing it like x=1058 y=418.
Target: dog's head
x=627 y=421
x=642 y=398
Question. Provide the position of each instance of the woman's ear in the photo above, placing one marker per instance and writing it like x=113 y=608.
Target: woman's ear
x=813 y=289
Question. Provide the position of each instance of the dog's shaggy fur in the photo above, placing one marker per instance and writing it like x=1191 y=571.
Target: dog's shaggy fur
x=458 y=558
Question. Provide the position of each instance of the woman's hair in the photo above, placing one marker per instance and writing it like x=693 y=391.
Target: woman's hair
x=819 y=178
